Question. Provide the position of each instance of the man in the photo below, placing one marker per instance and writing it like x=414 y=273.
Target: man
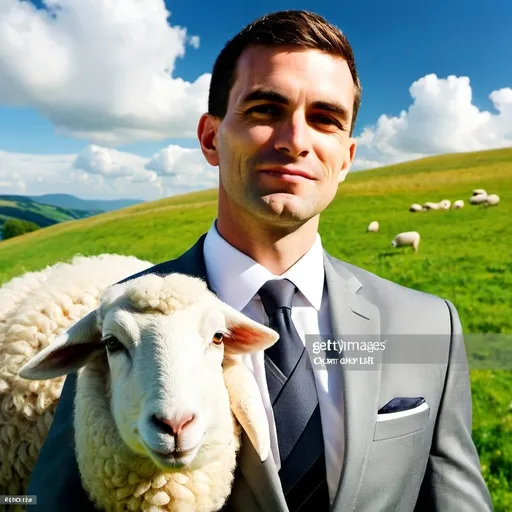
x=283 y=102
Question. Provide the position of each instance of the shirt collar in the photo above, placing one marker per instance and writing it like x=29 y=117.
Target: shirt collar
x=236 y=278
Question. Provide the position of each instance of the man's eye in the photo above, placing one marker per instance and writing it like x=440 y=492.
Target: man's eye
x=113 y=344
x=264 y=109
x=326 y=120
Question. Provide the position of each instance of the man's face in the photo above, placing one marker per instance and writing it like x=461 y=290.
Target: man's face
x=289 y=110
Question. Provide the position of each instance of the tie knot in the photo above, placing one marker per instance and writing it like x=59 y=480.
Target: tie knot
x=276 y=294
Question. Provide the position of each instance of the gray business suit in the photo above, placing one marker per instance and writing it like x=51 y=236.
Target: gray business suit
x=425 y=461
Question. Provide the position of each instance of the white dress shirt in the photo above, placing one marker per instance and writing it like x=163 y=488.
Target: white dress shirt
x=236 y=279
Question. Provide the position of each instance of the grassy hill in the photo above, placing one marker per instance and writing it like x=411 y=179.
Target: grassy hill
x=464 y=256
x=24 y=208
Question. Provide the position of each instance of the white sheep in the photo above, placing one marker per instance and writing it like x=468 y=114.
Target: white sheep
x=35 y=309
x=478 y=199
x=493 y=199
x=415 y=207
x=479 y=191
x=429 y=205
x=373 y=226
x=408 y=238
x=444 y=204
x=458 y=204
x=161 y=393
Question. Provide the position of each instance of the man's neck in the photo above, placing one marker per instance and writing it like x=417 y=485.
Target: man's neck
x=275 y=249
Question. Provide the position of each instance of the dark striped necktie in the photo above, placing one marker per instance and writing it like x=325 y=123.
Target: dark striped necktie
x=292 y=390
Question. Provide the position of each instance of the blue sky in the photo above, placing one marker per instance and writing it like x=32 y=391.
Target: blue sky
x=396 y=43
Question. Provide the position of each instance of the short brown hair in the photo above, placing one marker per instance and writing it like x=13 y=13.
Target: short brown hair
x=300 y=28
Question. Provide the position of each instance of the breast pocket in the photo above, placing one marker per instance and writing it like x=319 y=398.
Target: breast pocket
x=399 y=424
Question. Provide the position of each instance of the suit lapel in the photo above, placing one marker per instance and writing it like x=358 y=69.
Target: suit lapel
x=352 y=318
x=262 y=477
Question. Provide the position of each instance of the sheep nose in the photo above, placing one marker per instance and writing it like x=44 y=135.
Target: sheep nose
x=173 y=426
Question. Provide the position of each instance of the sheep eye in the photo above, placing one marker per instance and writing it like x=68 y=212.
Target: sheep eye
x=113 y=344
x=218 y=337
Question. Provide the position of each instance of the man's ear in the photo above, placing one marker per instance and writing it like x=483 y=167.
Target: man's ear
x=207 y=135
x=347 y=164
x=68 y=352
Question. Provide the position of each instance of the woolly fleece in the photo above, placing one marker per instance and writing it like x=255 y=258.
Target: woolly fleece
x=35 y=308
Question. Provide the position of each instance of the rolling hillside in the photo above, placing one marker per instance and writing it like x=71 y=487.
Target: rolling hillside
x=24 y=208
x=465 y=256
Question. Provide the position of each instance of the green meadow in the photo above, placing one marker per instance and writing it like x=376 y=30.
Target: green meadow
x=465 y=256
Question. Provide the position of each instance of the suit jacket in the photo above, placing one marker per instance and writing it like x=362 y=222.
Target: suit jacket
x=419 y=462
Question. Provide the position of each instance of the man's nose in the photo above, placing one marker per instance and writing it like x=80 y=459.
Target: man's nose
x=293 y=136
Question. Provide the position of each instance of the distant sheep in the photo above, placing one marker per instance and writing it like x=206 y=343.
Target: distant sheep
x=458 y=204
x=373 y=226
x=444 y=204
x=478 y=199
x=429 y=205
x=493 y=199
x=35 y=309
x=408 y=238
x=415 y=207
x=160 y=432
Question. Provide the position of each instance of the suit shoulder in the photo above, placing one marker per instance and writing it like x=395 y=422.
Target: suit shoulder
x=159 y=269
x=388 y=294
x=190 y=262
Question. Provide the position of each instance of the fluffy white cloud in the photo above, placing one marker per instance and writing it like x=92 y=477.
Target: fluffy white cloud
x=194 y=41
x=183 y=168
x=102 y=172
x=12 y=181
x=175 y=160
x=441 y=119
x=100 y=70
x=112 y=163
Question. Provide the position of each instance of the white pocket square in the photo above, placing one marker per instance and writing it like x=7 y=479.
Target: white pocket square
x=402 y=414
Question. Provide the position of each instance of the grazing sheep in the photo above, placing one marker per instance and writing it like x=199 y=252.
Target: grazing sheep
x=492 y=199
x=373 y=226
x=445 y=204
x=429 y=205
x=415 y=207
x=458 y=204
x=161 y=394
x=479 y=191
x=36 y=308
x=478 y=199
x=408 y=238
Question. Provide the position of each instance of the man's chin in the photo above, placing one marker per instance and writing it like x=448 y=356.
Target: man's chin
x=286 y=207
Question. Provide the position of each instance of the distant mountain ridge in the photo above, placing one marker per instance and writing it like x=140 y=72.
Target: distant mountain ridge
x=75 y=203
x=44 y=215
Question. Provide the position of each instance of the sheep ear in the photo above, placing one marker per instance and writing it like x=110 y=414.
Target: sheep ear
x=68 y=352
x=245 y=335
x=247 y=405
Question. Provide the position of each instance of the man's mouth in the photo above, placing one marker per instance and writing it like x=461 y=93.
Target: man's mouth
x=289 y=174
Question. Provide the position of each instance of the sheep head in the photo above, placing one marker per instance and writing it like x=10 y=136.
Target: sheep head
x=169 y=343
